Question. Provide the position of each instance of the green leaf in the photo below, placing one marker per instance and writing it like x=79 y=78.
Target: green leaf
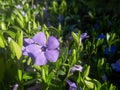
x=27 y=76
x=50 y=77
x=55 y=6
x=88 y=82
x=19 y=38
x=100 y=63
x=20 y=74
x=97 y=83
x=86 y=71
x=2 y=45
x=61 y=72
x=43 y=75
x=63 y=7
x=2 y=26
x=15 y=48
x=112 y=87
x=75 y=37
x=21 y=24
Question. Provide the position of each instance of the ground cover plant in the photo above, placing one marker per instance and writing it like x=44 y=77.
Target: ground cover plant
x=59 y=45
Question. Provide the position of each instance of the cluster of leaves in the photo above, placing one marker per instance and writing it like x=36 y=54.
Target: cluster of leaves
x=20 y=19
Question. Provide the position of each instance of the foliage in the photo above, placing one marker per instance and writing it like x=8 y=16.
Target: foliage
x=67 y=21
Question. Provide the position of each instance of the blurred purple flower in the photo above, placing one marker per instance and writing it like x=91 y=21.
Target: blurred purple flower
x=116 y=66
x=83 y=36
x=72 y=85
x=96 y=25
x=104 y=77
x=60 y=18
x=101 y=36
x=18 y=6
x=76 y=68
x=110 y=50
x=15 y=87
x=39 y=50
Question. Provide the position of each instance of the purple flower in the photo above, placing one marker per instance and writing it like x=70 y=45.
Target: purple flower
x=40 y=50
x=83 y=36
x=18 y=6
x=96 y=25
x=104 y=77
x=72 y=85
x=76 y=68
x=110 y=50
x=15 y=87
x=60 y=18
x=101 y=36
x=116 y=66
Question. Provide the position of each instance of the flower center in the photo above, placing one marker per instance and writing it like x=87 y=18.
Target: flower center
x=43 y=48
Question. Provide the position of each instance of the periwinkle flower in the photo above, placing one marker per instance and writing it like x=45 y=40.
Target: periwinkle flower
x=23 y=13
x=83 y=36
x=116 y=66
x=96 y=25
x=15 y=87
x=72 y=85
x=104 y=77
x=76 y=68
x=101 y=36
x=110 y=50
x=18 y=6
x=60 y=19
x=40 y=50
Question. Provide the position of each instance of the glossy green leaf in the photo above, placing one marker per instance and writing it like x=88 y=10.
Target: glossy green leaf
x=20 y=74
x=27 y=76
x=2 y=44
x=15 y=48
x=88 y=82
x=86 y=71
x=75 y=37
x=19 y=38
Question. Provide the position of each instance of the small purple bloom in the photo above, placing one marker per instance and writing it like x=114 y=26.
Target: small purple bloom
x=15 y=87
x=76 y=68
x=104 y=77
x=18 y=6
x=101 y=36
x=72 y=85
x=83 y=36
x=110 y=50
x=96 y=25
x=40 y=50
x=60 y=18
x=116 y=66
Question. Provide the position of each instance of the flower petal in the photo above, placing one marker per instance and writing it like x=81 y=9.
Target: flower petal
x=24 y=52
x=40 y=59
x=72 y=85
x=76 y=68
x=40 y=38
x=28 y=41
x=32 y=50
x=35 y=52
x=52 y=55
x=116 y=66
x=53 y=43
